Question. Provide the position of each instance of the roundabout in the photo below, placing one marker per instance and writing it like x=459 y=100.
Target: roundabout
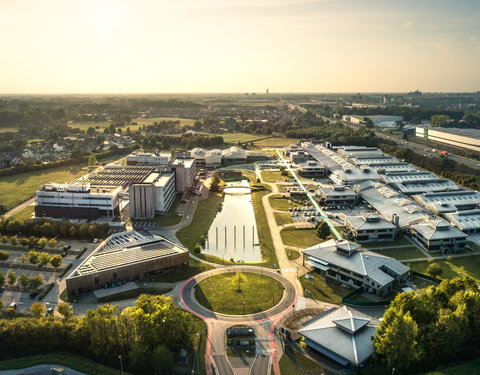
x=277 y=305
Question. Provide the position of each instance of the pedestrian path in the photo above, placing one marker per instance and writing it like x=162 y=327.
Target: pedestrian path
x=285 y=270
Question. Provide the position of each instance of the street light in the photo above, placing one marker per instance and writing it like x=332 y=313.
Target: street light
x=164 y=330
x=121 y=364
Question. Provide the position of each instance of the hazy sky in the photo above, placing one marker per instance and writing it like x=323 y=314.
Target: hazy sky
x=87 y=46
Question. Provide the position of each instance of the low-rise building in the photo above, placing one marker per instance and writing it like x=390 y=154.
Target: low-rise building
x=337 y=195
x=449 y=201
x=348 y=263
x=77 y=200
x=437 y=235
x=312 y=169
x=467 y=221
x=298 y=157
x=458 y=137
x=234 y=155
x=369 y=227
x=147 y=158
x=342 y=334
x=124 y=257
x=418 y=182
x=185 y=170
x=292 y=148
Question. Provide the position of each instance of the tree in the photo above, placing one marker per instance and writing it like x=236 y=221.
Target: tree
x=396 y=341
x=52 y=244
x=34 y=282
x=215 y=185
x=369 y=123
x=2 y=279
x=23 y=280
x=38 y=309
x=238 y=279
x=92 y=161
x=14 y=240
x=4 y=239
x=56 y=261
x=440 y=120
x=11 y=278
x=4 y=255
x=61 y=244
x=323 y=230
x=33 y=257
x=44 y=258
x=23 y=258
x=1 y=304
x=42 y=242
x=65 y=309
x=434 y=270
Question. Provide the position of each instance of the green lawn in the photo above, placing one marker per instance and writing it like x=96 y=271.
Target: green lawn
x=19 y=187
x=140 y=122
x=75 y=362
x=283 y=219
x=180 y=273
x=292 y=254
x=204 y=214
x=220 y=293
x=273 y=176
x=294 y=363
x=400 y=242
x=279 y=203
x=410 y=252
x=276 y=142
x=234 y=138
x=467 y=368
x=264 y=236
x=24 y=214
x=469 y=265
x=329 y=291
x=300 y=237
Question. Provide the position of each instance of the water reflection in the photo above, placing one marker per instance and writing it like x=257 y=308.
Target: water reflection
x=233 y=233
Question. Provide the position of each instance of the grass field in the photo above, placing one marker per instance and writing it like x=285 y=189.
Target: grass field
x=469 y=265
x=234 y=138
x=279 y=203
x=467 y=368
x=220 y=293
x=380 y=245
x=140 y=122
x=75 y=362
x=180 y=273
x=300 y=237
x=294 y=363
x=328 y=291
x=292 y=254
x=282 y=218
x=19 y=187
x=274 y=176
x=410 y=252
x=24 y=214
x=275 y=142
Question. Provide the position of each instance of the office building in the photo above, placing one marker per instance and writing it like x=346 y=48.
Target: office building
x=337 y=195
x=418 y=182
x=146 y=158
x=449 y=201
x=437 y=235
x=342 y=334
x=298 y=157
x=124 y=257
x=77 y=200
x=348 y=263
x=369 y=227
x=185 y=171
x=312 y=169
x=234 y=155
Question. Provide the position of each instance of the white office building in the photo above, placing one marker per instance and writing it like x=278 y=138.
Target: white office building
x=146 y=158
x=185 y=170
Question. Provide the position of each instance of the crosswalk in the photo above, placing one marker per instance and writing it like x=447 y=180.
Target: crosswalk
x=263 y=322
x=285 y=270
x=264 y=339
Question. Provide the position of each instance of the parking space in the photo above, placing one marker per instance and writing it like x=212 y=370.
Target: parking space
x=144 y=225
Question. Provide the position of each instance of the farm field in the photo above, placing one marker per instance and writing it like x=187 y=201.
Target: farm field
x=19 y=187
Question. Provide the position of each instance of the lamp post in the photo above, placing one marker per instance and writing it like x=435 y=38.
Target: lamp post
x=164 y=330
x=121 y=364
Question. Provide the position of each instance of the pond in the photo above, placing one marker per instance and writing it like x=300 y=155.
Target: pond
x=233 y=233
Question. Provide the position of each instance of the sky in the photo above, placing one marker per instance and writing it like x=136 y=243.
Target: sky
x=236 y=46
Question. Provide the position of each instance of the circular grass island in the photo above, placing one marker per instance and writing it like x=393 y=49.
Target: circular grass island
x=220 y=293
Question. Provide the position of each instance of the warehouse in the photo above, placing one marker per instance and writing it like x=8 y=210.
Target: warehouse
x=462 y=138
x=124 y=257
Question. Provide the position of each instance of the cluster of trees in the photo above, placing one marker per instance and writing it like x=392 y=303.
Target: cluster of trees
x=32 y=242
x=30 y=283
x=64 y=229
x=186 y=142
x=457 y=172
x=148 y=335
x=32 y=120
x=436 y=327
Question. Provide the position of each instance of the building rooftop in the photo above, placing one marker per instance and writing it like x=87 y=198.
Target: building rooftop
x=119 y=175
x=343 y=331
x=352 y=257
x=449 y=201
x=472 y=133
x=367 y=221
x=187 y=163
x=437 y=229
x=465 y=220
x=158 y=178
x=126 y=248
x=80 y=187
x=337 y=190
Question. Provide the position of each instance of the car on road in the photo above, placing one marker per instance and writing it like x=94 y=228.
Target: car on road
x=49 y=311
x=13 y=305
x=67 y=247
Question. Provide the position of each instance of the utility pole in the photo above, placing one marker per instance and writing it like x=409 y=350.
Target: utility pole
x=121 y=364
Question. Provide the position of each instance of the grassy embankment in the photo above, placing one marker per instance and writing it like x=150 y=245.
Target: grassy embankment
x=468 y=266
x=327 y=291
x=220 y=293
x=283 y=218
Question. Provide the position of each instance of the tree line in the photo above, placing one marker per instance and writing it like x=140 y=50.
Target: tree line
x=148 y=335
x=63 y=228
x=186 y=141
x=437 y=326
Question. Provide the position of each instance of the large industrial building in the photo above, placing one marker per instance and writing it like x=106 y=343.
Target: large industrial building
x=124 y=257
x=347 y=263
x=462 y=138
x=77 y=200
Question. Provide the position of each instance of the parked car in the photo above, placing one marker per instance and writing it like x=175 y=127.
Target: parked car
x=67 y=247
x=49 y=311
x=13 y=305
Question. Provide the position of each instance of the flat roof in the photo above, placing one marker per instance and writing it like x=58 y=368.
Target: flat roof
x=160 y=179
x=187 y=163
